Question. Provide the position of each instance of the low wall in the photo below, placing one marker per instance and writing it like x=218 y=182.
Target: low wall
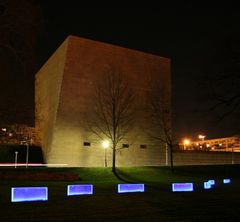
x=189 y=157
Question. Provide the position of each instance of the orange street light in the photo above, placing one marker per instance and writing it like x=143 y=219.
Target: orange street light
x=201 y=137
x=186 y=142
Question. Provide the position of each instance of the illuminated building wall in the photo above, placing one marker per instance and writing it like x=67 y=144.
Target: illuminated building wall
x=63 y=97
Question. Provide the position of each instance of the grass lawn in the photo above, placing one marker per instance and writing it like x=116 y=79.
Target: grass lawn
x=158 y=203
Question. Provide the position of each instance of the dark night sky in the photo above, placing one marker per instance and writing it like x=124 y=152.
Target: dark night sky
x=192 y=37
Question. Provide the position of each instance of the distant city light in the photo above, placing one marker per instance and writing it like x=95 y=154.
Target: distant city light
x=219 y=144
x=201 y=137
x=186 y=142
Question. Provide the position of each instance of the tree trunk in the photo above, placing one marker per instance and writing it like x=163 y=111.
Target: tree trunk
x=114 y=159
x=171 y=158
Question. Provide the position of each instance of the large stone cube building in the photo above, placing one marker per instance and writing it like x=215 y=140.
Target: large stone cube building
x=63 y=95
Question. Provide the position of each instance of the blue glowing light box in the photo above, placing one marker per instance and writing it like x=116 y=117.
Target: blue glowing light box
x=212 y=182
x=207 y=185
x=23 y=194
x=226 y=181
x=127 y=188
x=179 y=187
x=82 y=189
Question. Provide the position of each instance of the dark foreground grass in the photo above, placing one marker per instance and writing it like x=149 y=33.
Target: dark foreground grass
x=158 y=203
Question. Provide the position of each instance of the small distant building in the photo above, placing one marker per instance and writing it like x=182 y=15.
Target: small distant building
x=225 y=144
x=63 y=91
x=18 y=134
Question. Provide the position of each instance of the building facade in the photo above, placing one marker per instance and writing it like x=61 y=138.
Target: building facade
x=64 y=95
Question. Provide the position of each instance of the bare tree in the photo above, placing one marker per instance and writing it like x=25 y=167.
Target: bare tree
x=225 y=91
x=221 y=91
x=113 y=110
x=159 y=116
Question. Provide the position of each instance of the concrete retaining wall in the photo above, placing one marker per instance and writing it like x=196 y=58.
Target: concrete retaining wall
x=205 y=158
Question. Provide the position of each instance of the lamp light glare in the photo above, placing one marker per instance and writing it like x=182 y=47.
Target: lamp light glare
x=186 y=142
x=105 y=144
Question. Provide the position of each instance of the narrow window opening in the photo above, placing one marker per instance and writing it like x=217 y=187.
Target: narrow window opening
x=143 y=146
x=86 y=144
x=125 y=145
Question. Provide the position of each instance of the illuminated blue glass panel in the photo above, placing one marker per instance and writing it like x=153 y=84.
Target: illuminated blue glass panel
x=23 y=194
x=126 y=188
x=212 y=182
x=179 y=187
x=79 y=189
x=226 y=181
x=207 y=185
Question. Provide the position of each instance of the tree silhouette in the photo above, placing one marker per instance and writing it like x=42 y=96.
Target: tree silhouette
x=112 y=113
x=158 y=110
x=222 y=84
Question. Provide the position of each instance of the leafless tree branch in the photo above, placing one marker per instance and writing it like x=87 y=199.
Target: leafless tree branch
x=113 y=110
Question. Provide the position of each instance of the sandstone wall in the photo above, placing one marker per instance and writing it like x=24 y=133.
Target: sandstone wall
x=64 y=96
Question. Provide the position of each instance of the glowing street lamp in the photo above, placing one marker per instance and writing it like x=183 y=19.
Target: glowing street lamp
x=201 y=137
x=186 y=142
x=4 y=129
x=105 y=145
